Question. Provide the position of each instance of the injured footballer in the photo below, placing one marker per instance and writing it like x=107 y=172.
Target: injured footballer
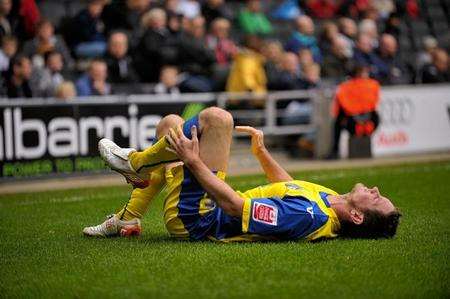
x=190 y=159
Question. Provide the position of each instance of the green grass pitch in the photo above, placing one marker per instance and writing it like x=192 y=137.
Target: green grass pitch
x=43 y=253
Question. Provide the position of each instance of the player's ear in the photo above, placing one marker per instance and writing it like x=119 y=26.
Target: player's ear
x=356 y=216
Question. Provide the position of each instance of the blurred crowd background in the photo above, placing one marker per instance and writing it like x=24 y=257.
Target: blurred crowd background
x=63 y=49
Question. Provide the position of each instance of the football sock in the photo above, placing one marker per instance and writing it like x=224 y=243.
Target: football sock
x=157 y=155
x=140 y=199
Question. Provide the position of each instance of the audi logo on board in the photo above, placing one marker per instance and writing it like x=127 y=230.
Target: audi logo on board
x=396 y=111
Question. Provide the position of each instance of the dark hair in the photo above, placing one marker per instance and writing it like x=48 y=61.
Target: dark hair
x=375 y=225
x=50 y=53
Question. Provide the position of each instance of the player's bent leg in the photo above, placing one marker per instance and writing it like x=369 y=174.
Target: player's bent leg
x=216 y=136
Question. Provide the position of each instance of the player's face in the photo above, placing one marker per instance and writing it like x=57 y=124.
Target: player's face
x=364 y=198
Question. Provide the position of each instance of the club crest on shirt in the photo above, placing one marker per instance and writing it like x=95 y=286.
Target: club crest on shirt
x=292 y=186
x=265 y=213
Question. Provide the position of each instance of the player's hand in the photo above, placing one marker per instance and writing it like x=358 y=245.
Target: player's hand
x=187 y=150
x=257 y=138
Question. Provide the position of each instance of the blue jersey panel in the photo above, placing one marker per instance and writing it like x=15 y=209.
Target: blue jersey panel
x=287 y=218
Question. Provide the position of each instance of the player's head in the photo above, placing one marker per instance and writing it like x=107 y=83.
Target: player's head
x=371 y=215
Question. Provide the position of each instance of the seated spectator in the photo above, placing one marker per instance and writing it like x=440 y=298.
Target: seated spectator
x=384 y=8
x=305 y=57
x=287 y=10
x=124 y=15
x=156 y=47
x=394 y=71
x=424 y=57
x=46 y=41
x=65 y=91
x=218 y=40
x=310 y=76
x=438 y=71
x=188 y=8
x=322 y=9
x=354 y=106
x=247 y=72
x=289 y=76
x=329 y=32
x=120 y=65
x=174 y=24
x=348 y=28
x=274 y=53
x=93 y=83
x=336 y=61
x=90 y=39
x=46 y=79
x=252 y=20
x=17 y=79
x=168 y=81
x=6 y=28
x=392 y=25
x=195 y=58
x=303 y=37
x=369 y=28
x=213 y=9
x=364 y=54
x=7 y=51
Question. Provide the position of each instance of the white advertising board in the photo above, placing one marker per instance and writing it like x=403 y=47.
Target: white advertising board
x=413 y=119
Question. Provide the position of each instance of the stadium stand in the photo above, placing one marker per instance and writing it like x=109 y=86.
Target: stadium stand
x=410 y=22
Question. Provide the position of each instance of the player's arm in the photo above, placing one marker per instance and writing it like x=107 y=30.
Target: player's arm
x=188 y=151
x=273 y=170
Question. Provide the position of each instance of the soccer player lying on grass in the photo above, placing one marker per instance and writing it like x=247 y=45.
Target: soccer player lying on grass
x=190 y=160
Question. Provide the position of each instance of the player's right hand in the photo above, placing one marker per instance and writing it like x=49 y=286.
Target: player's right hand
x=257 y=138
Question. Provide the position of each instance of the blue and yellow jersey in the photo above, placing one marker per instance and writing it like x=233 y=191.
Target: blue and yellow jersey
x=279 y=211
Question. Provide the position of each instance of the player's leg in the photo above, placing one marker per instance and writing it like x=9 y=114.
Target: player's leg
x=186 y=208
x=126 y=221
x=140 y=199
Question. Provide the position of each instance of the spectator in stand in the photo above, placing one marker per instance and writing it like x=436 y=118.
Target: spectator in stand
x=90 y=39
x=7 y=51
x=310 y=76
x=348 y=29
x=195 y=59
x=354 y=106
x=303 y=37
x=213 y=9
x=305 y=57
x=224 y=49
x=188 y=8
x=168 y=81
x=289 y=76
x=273 y=53
x=219 y=41
x=247 y=72
x=369 y=27
x=364 y=54
x=438 y=71
x=46 y=41
x=17 y=79
x=384 y=7
x=322 y=9
x=329 y=32
x=66 y=91
x=394 y=71
x=124 y=15
x=336 y=62
x=6 y=28
x=93 y=83
x=45 y=80
x=424 y=57
x=120 y=65
x=156 y=47
x=174 y=24
x=252 y=20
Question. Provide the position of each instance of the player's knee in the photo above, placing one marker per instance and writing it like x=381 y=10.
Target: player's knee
x=168 y=121
x=215 y=116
